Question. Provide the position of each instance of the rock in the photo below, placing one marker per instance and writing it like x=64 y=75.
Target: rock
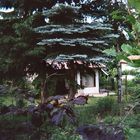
x=101 y=132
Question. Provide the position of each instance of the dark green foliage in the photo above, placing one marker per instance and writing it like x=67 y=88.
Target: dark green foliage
x=133 y=90
x=78 y=38
x=111 y=120
x=38 y=20
x=105 y=105
x=24 y=49
x=86 y=115
x=69 y=14
x=19 y=54
x=134 y=4
x=132 y=126
x=33 y=46
x=20 y=102
x=66 y=132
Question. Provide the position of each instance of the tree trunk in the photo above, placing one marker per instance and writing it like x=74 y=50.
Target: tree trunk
x=126 y=87
x=119 y=82
x=119 y=76
x=42 y=92
x=72 y=83
x=112 y=83
x=71 y=93
x=43 y=89
x=72 y=88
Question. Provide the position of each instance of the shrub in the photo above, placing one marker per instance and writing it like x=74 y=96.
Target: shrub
x=1 y=101
x=85 y=115
x=134 y=90
x=105 y=105
x=132 y=127
x=20 y=102
x=112 y=120
x=64 y=134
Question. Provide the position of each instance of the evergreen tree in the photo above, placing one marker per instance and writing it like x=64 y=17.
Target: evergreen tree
x=40 y=30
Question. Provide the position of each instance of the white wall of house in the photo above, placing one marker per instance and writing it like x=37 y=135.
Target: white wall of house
x=92 y=84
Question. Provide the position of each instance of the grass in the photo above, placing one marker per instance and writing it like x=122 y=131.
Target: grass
x=85 y=114
x=92 y=101
x=88 y=115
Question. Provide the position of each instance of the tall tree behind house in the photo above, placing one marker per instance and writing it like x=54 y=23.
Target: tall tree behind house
x=58 y=37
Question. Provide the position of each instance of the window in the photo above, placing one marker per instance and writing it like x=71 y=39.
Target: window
x=88 y=80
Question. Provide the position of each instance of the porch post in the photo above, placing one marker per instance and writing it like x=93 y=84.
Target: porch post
x=78 y=77
x=97 y=80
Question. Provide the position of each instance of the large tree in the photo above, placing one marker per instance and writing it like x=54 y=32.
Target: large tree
x=74 y=36
x=68 y=33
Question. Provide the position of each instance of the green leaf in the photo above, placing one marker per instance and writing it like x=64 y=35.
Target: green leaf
x=127 y=48
x=136 y=51
x=134 y=63
x=110 y=52
x=36 y=51
x=135 y=4
x=122 y=56
x=117 y=15
x=137 y=27
x=131 y=19
x=115 y=12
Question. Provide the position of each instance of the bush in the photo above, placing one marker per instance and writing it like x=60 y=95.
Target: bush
x=83 y=115
x=105 y=106
x=107 y=83
x=133 y=89
x=64 y=134
x=132 y=127
x=20 y=103
x=112 y=120
x=1 y=101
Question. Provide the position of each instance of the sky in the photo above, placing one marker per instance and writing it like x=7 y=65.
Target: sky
x=6 y=10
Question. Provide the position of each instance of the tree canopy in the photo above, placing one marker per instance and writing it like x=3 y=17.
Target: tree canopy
x=39 y=30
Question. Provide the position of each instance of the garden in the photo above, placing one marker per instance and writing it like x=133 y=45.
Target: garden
x=55 y=56
x=59 y=118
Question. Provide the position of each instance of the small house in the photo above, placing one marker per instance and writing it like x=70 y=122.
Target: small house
x=86 y=75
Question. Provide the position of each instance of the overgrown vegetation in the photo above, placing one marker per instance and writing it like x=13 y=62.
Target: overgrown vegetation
x=42 y=44
x=98 y=110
